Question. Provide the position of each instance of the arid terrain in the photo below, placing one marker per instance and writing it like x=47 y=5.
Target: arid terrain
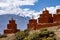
x=55 y=29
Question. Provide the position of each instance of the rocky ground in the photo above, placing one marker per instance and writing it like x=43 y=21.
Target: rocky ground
x=55 y=29
x=9 y=37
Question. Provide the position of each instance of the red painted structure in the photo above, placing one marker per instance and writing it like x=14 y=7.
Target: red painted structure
x=45 y=20
x=11 y=27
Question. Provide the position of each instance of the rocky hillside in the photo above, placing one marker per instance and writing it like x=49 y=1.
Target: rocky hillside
x=34 y=34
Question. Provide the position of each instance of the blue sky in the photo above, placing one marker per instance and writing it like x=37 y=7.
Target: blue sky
x=25 y=8
x=28 y=7
x=42 y=4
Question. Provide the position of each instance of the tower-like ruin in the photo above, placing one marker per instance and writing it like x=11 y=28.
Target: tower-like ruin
x=45 y=20
x=11 y=27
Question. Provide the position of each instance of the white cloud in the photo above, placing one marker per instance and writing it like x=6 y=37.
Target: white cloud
x=53 y=9
x=17 y=2
x=12 y=7
x=3 y=4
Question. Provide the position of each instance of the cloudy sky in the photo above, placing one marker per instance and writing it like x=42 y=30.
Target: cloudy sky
x=28 y=7
x=24 y=8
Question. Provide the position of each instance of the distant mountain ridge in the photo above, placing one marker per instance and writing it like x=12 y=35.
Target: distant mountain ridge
x=20 y=21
